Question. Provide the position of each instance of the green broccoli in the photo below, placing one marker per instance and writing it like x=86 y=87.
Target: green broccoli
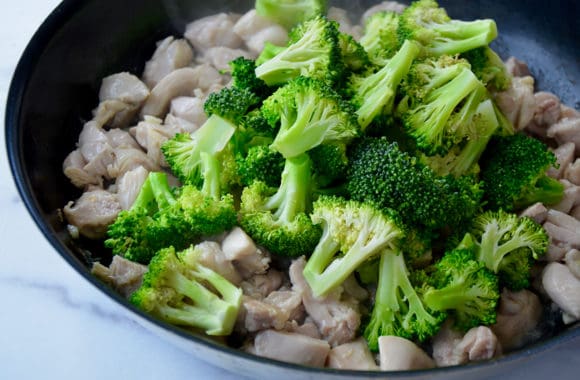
x=331 y=163
x=313 y=51
x=352 y=233
x=398 y=310
x=231 y=103
x=380 y=172
x=507 y=245
x=277 y=218
x=290 y=12
x=461 y=285
x=268 y=52
x=180 y=290
x=425 y=22
x=353 y=54
x=489 y=68
x=380 y=37
x=309 y=113
x=374 y=94
x=260 y=164
x=243 y=71
x=513 y=171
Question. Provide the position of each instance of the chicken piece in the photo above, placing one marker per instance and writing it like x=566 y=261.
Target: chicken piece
x=212 y=257
x=127 y=159
x=179 y=124
x=119 y=138
x=151 y=133
x=189 y=108
x=129 y=185
x=120 y=96
x=479 y=343
x=568 y=112
x=564 y=156
x=537 y=212
x=517 y=68
x=307 y=328
x=547 y=110
x=563 y=228
x=260 y=285
x=337 y=321
x=340 y=15
x=181 y=82
x=566 y=130
x=353 y=355
x=572 y=260
x=444 y=345
x=352 y=288
x=214 y=30
x=73 y=168
x=400 y=354
x=563 y=287
x=291 y=347
x=385 y=6
x=571 y=198
x=122 y=275
x=518 y=102
x=256 y=315
x=220 y=56
x=170 y=55
x=575 y=213
x=255 y=30
x=98 y=165
x=248 y=259
x=93 y=212
x=572 y=172
x=92 y=140
x=289 y=302
x=518 y=315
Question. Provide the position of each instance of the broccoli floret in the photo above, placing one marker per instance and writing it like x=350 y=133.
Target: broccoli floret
x=507 y=244
x=489 y=68
x=374 y=94
x=424 y=21
x=310 y=113
x=184 y=151
x=442 y=97
x=290 y=12
x=513 y=171
x=331 y=163
x=231 y=103
x=268 y=52
x=461 y=285
x=244 y=77
x=260 y=164
x=352 y=233
x=462 y=159
x=398 y=310
x=178 y=289
x=313 y=51
x=380 y=172
x=277 y=218
x=354 y=55
x=380 y=37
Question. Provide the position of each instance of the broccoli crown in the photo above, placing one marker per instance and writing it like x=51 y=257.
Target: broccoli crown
x=462 y=158
x=277 y=218
x=313 y=51
x=231 y=103
x=424 y=21
x=244 y=77
x=398 y=310
x=380 y=37
x=498 y=234
x=260 y=164
x=290 y=12
x=489 y=68
x=463 y=286
x=331 y=163
x=183 y=152
x=310 y=113
x=352 y=233
x=268 y=52
x=513 y=171
x=353 y=54
x=380 y=172
x=374 y=94
x=178 y=289
x=441 y=98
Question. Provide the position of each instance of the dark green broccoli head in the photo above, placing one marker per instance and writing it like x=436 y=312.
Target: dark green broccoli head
x=231 y=103
x=489 y=68
x=380 y=37
x=260 y=164
x=331 y=163
x=244 y=77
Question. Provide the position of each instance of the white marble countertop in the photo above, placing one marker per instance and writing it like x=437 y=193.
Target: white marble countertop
x=55 y=325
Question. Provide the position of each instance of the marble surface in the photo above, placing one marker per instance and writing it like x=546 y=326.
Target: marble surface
x=55 y=325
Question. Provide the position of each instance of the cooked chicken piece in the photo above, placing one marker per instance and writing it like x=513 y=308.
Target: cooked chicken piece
x=537 y=212
x=564 y=156
x=400 y=354
x=127 y=159
x=479 y=343
x=575 y=212
x=289 y=302
x=178 y=124
x=129 y=185
x=119 y=138
x=93 y=212
x=98 y=165
x=170 y=55
x=291 y=347
x=385 y=6
x=151 y=133
x=189 y=108
x=518 y=102
x=517 y=68
x=214 y=30
x=563 y=288
x=572 y=172
x=337 y=321
x=257 y=263
x=73 y=168
x=256 y=315
x=240 y=248
x=255 y=30
x=566 y=130
x=307 y=328
x=518 y=315
x=353 y=355
x=181 y=82
x=563 y=228
x=117 y=89
x=340 y=15
x=220 y=56
x=570 y=200
x=92 y=140
x=568 y=112
x=572 y=260
x=352 y=288
x=212 y=257
x=547 y=110
x=260 y=285
x=444 y=345
x=123 y=275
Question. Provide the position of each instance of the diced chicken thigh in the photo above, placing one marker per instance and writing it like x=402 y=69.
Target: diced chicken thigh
x=291 y=347
x=189 y=108
x=564 y=157
x=220 y=56
x=353 y=355
x=256 y=30
x=214 y=30
x=213 y=257
x=260 y=285
x=73 y=168
x=517 y=68
x=123 y=275
x=518 y=102
x=170 y=55
x=93 y=212
x=129 y=185
x=563 y=288
x=566 y=130
x=400 y=354
x=537 y=212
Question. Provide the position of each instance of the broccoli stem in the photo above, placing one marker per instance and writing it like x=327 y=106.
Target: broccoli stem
x=547 y=190
x=458 y=36
x=211 y=168
x=448 y=298
x=161 y=190
x=145 y=198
